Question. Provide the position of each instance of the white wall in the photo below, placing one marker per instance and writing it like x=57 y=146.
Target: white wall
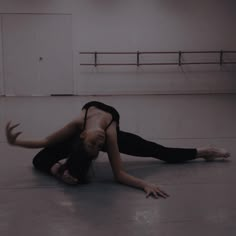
x=1 y=59
x=146 y=26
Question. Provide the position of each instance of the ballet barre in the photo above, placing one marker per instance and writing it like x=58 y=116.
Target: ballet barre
x=179 y=60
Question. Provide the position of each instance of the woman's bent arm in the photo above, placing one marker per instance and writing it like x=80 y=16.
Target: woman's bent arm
x=118 y=171
x=30 y=143
x=56 y=137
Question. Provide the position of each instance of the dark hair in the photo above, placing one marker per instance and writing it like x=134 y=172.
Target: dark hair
x=79 y=162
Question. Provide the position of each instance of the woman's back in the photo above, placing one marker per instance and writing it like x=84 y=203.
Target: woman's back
x=99 y=115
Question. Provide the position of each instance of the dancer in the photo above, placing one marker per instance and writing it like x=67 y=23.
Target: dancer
x=68 y=153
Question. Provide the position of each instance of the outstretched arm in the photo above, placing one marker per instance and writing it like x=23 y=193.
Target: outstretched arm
x=60 y=135
x=118 y=170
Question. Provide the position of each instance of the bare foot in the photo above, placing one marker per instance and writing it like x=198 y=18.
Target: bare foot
x=68 y=179
x=55 y=168
x=210 y=153
x=65 y=175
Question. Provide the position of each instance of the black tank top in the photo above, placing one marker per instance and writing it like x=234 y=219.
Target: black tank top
x=103 y=107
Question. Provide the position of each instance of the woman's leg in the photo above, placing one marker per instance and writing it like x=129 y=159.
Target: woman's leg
x=47 y=157
x=134 y=145
x=78 y=162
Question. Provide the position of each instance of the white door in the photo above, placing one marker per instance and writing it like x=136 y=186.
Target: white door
x=37 y=54
x=1 y=60
x=55 y=51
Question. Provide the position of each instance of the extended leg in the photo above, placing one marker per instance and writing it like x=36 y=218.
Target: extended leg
x=134 y=145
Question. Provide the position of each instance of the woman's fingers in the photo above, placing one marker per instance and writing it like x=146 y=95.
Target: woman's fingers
x=11 y=137
x=166 y=194
x=9 y=128
x=8 y=124
x=17 y=134
x=152 y=193
x=13 y=127
x=161 y=193
x=148 y=193
x=155 y=192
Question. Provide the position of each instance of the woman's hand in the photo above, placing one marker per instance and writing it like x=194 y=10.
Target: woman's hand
x=153 y=190
x=12 y=137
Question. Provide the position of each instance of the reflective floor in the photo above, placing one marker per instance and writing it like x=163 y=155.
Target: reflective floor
x=202 y=194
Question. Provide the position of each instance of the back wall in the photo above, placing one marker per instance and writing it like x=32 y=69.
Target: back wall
x=154 y=25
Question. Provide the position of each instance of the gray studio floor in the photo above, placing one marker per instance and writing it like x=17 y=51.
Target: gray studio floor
x=203 y=194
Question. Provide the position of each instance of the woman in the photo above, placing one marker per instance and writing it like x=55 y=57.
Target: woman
x=68 y=153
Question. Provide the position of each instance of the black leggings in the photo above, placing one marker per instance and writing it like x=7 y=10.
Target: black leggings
x=128 y=143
